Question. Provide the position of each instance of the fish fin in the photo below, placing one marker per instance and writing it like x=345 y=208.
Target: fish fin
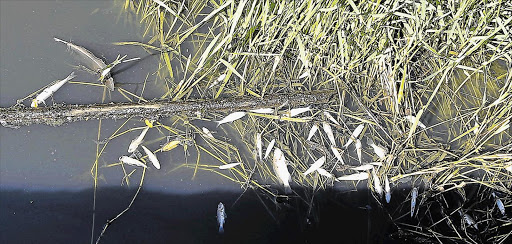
x=221 y=229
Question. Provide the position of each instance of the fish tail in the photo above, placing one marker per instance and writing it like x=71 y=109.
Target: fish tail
x=221 y=229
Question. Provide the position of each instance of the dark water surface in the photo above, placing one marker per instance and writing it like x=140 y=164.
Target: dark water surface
x=46 y=193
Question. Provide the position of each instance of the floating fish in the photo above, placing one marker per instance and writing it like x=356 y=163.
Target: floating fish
x=304 y=75
x=337 y=154
x=499 y=204
x=363 y=167
x=411 y=119
x=328 y=132
x=259 y=145
x=279 y=165
x=262 y=110
x=414 y=196
x=208 y=133
x=297 y=111
x=50 y=90
x=89 y=60
x=356 y=176
x=312 y=132
x=231 y=117
x=387 y=189
x=132 y=161
x=229 y=166
x=170 y=145
x=380 y=151
x=329 y=116
x=354 y=134
x=269 y=148
x=376 y=183
x=152 y=157
x=324 y=172
x=315 y=165
x=221 y=217
x=136 y=142
x=359 y=148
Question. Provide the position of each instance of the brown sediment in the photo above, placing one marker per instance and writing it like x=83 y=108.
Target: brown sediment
x=60 y=114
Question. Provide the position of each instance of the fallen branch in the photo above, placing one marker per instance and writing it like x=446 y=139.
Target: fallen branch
x=60 y=114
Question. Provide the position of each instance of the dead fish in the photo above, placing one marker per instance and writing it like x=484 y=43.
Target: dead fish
x=208 y=133
x=262 y=110
x=231 y=117
x=152 y=157
x=50 y=90
x=356 y=176
x=297 y=111
x=315 y=165
x=376 y=183
x=329 y=116
x=387 y=189
x=221 y=217
x=259 y=145
x=328 y=132
x=229 y=166
x=411 y=119
x=279 y=165
x=468 y=219
x=499 y=204
x=380 y=151
x=509 y=168
x=359 y=148
x=269 y=148
x=337 y=154
x=354 y=134
x=312 y=132
x=363 y=167
x=324 y=172
x=137 y=141
x=170 y=145
x=414 y=196
x=132 y=161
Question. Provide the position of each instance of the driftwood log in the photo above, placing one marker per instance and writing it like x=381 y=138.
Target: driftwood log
x=60 y=114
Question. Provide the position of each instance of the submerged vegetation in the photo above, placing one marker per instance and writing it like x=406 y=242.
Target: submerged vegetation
x=422 y=101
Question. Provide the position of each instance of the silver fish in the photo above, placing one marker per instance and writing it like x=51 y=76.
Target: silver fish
x=50 y=90
x=137 y=141
x=411 y=119
x=132 y=161
x=312 y=132
x=324 y=172
x=356 y=176
x=499 y=204
x=329 y=116
x=269 y=147
x=354 y=134
x=363 y=167
x=262 y=110
x=359 y=148
x=414 y=196
x=468 y=219
x=376 y=183
x=229 y=166
x=387 y=189
x=297 y=111
x=315 y=166
x=208 y=133
x=221 y=217
x=380 y=151
x=328 y=132
x=279 y=165
x=231 y=117
x=337 y=154
x=152 y=157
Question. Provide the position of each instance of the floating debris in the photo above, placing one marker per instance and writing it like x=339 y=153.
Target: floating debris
x=387 y=189
x=221 y=217
x=380 y=151
x=136 y=142
x=328 y=132
x=297 y=111
x=414 y=196
x=356 y=176
x=312 y=132
x=132 y=161
x=50 y=90
x=262 y=111
x=170 y=145
x=354 y=134
x=499 y=204
x=376 y=183
x=152 y=157
x=329 y=116
x=229 y=166
x=279 y=165
x=337 y=154
x=231 y=117
x=269 y=148
x=208 y=133
x=315 y=165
